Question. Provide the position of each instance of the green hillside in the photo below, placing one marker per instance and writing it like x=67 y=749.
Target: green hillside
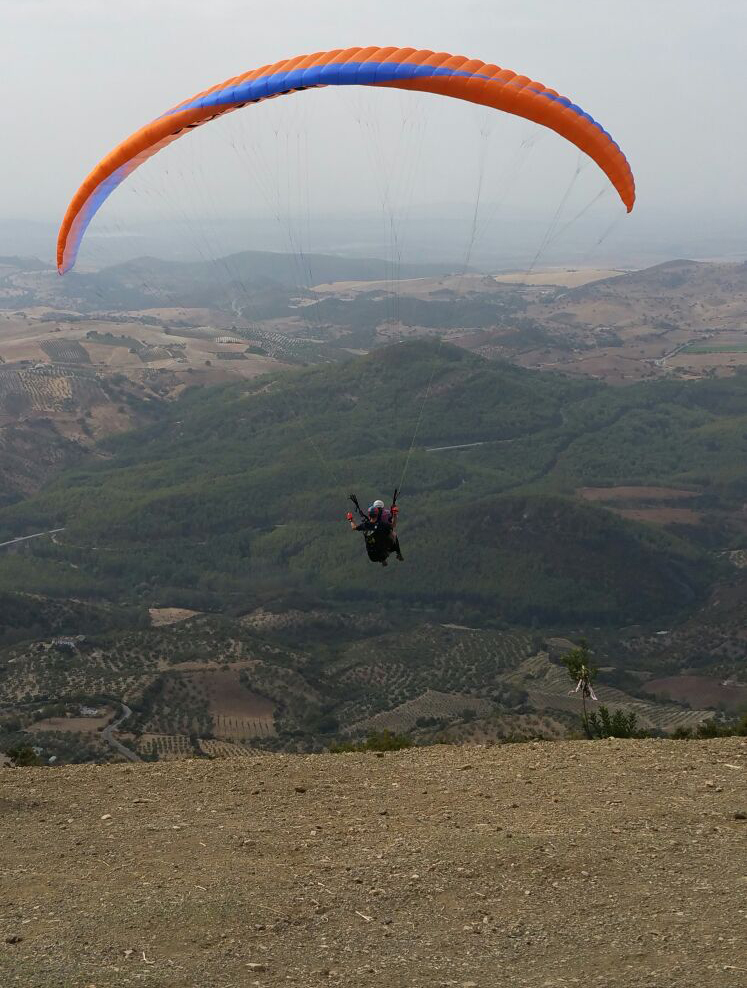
x=238 y=494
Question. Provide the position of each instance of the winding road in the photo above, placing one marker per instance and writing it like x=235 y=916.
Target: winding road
x=25 y=538
x=108 y=735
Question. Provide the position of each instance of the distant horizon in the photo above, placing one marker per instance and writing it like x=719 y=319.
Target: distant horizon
x=511 y=244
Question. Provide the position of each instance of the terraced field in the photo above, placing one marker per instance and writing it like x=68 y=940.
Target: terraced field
x=119 y=672
x=167 y=747
x=66 y=351
x=242 y=684
x=431 y=705
x=224 y=749
x=393 y=669
x=236 y=712
x=47 y=393
x=10 y=382
x=548 y=688
x=148 y=354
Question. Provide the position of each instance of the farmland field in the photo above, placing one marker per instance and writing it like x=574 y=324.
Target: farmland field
x=662 y=515
x=237 y=714
x=75 y=724
x=562 y=277
x=548 y=688
x=634 y=493
x=432 y=704
x=164 y=616
x=223 y=749
x=716 y=348
x=66 y=351
x=700 y=690
x=167 y=746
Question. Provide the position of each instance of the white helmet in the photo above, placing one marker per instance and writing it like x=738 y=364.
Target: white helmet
x=378 y=504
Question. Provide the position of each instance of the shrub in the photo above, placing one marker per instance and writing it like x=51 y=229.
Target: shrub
x=603 y=724
x=23 y=756
x=378 y=741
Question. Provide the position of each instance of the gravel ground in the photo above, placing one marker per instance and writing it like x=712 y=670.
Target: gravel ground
x=615 y=863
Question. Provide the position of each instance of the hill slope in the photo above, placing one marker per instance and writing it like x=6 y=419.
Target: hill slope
x=612 y=863
x=240 y=491
x=153 y=281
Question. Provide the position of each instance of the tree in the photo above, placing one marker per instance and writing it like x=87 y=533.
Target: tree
x=582 y=673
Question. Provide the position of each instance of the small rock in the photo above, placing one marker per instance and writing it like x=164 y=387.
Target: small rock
x=106 y=816
x=739 y=815
x=465 y=768
x=383 y=812
x=13 y=939
x=300 y=789
x=259 y=968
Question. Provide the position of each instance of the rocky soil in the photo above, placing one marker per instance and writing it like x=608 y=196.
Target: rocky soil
x=616 y=863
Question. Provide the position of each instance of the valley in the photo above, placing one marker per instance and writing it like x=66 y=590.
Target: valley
x=168 y=450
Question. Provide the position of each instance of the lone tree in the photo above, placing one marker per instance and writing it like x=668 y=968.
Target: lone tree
x=582 y=674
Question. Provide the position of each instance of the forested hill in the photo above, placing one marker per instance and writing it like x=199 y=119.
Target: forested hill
x=238 y=495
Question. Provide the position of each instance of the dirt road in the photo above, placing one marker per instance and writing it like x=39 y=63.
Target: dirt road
x=615 y=864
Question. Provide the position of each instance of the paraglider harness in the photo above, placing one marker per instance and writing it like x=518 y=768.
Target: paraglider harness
x=379 y=536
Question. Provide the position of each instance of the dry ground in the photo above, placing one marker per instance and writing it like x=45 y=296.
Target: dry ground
x=654 y=513
x=87 y=725
x=610 y=864
x=162 y=616
x=662 y=516
x=564 y=277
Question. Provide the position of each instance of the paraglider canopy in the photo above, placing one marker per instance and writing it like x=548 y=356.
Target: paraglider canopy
x=402 y=68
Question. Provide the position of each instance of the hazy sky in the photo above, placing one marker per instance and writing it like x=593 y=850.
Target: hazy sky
x=666 y=77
